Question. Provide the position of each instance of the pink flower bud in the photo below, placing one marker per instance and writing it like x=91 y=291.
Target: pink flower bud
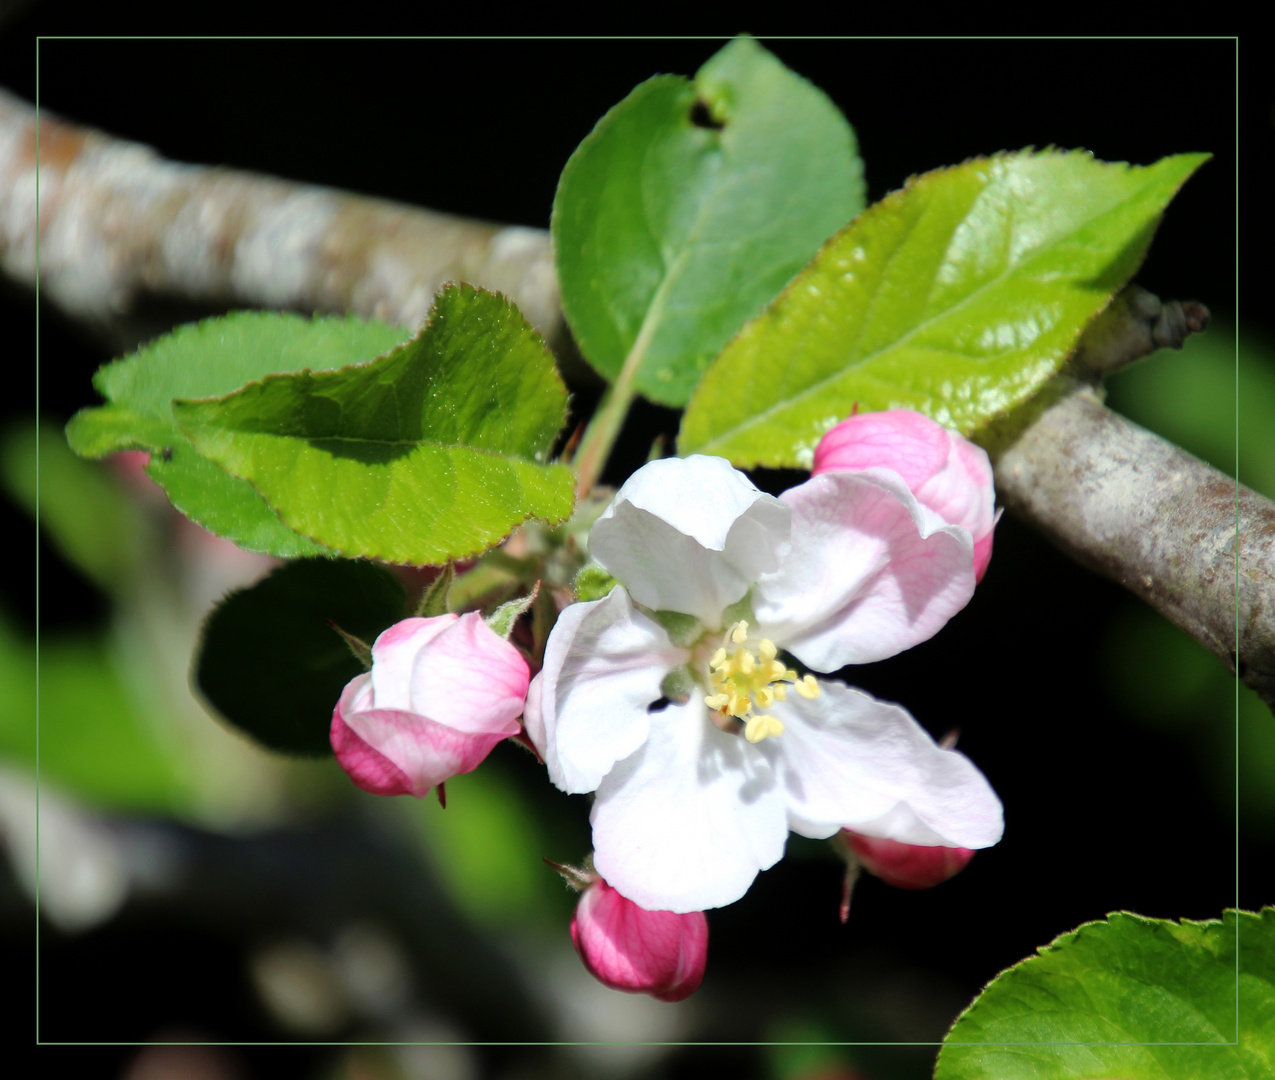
x=629 y=948
x=944 y=470
x=441 y=693
x=907 y=866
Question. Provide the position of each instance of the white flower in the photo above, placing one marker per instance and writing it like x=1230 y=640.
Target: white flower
x=695 y=798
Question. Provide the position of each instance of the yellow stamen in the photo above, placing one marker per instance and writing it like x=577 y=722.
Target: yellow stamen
x=762 y=727
x=808 y=688
x=743 y=677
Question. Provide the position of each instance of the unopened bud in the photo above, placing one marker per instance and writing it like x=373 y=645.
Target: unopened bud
x=943 y=469
x=628 y=948
x=907 y=866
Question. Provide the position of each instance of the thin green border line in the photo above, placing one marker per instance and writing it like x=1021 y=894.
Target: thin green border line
x=1237 y=538
x=37 y=544
x=700 y=37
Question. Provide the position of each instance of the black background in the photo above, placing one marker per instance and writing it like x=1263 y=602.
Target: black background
x=1101 y=815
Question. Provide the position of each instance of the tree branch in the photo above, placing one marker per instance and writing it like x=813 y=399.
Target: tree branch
x=1190 y=541
x=121 y=228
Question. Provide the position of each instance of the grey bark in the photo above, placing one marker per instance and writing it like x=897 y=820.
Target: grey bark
x=122 y=229
x=1192 y=542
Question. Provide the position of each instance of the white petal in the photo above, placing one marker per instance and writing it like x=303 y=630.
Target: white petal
x=394 y=653
x=604 y=664
x=847 y=760
x=871 y=571
x=691 y=535
x=686 y=823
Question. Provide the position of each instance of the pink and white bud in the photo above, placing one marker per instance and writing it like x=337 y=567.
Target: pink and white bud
x=441 y=693
x=943 y=469
x=907 y=866
x=628 y=948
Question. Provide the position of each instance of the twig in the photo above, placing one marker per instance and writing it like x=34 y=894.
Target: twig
x=122 y=229
x=1189 y=540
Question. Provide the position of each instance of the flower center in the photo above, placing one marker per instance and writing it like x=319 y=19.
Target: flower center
x=743 y=677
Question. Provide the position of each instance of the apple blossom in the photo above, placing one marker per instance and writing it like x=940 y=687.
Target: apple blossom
x=629 y=948
x=716 y=579
x=907 y=866
x=441 y=693
x=942 y=468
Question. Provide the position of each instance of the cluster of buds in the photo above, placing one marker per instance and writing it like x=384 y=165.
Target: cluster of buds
x=442 y=691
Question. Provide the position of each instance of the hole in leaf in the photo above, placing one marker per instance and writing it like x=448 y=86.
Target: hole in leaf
x=702 y=117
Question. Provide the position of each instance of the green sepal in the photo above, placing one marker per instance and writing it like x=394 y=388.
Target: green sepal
x=740 y=611
x=360 y=649
x=593 y=583
x=682 y=629
x=679 y=684
x=502 y=620
x=434 y=599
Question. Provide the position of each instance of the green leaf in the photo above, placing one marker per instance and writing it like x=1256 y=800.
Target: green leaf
x=690 y=205
x=1127 y=980
x=271 y=663
x=958 y=296
x=208 y=359
x=430 y=453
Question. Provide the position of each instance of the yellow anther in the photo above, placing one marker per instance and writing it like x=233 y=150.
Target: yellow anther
x=807 y=688
x=744 y=677
x=762 y=727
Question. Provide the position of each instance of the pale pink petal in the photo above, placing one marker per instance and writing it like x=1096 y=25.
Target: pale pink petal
x=962 y=492
x=368 y=768
x=945 y=471
x=982 y=556
x=911 y=444
x=629 y=948
x=468 y=677
x=686 y=823
x=394 y=653
x=690 y=535
x=908 y=866
x=603 y=666
x=871 y=572
x=848 y=760
x=425 y=751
